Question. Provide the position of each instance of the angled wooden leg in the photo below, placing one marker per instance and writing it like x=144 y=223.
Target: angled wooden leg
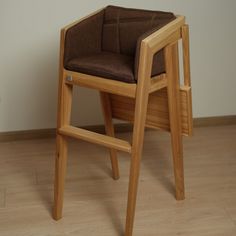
x=138 y=137
x=172 y=67
x=60 y=174
x=107 y=113
x=64 y=112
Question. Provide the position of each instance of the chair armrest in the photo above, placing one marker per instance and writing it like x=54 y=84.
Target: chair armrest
x=162 y=37
x=157 y=40
x=82 y=37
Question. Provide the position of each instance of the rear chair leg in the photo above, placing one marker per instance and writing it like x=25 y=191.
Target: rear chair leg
x=107 y=113
x=64 y=113
x=172 y=67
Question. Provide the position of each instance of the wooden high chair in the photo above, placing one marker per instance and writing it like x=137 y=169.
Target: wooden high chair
x=131 y=56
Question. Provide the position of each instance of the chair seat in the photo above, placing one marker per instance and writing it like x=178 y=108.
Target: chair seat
x=105 y=64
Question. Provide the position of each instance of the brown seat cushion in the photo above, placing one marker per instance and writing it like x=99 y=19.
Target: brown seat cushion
x=105 y=64
x=114 y=35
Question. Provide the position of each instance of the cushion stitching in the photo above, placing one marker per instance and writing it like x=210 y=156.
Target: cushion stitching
x=118 y=31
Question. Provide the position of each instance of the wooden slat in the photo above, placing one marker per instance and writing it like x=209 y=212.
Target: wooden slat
x=186 y=56
x=96 y=138
x=172 y=71
x=158 y=82
x=105 y=85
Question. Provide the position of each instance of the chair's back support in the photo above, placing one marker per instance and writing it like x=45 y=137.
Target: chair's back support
x=117 y=30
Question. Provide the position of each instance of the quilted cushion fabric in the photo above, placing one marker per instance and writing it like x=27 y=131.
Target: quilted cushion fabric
x=114 y=36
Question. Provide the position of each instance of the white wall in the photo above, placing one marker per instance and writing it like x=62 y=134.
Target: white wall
x=29 y=43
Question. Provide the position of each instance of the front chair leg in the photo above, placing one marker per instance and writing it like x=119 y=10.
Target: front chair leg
x=60 y=173
x=64 y=114
x=137 y=147
x=133 y=188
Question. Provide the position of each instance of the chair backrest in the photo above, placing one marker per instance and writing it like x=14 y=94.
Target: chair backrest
x=118 y=30
x=124 y=29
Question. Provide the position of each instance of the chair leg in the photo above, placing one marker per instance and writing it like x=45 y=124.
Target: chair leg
x=172 y=65
x=107 y=113
x=64 y=113
x=60 y=174
x=137 y=147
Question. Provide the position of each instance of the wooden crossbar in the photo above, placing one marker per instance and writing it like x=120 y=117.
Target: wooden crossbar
x=105 y=85
x=157 y=83
x=96 y=138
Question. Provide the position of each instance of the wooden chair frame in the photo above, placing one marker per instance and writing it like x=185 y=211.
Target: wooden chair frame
x=157 y=102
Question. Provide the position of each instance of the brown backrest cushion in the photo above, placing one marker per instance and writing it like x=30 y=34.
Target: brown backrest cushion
x=118 y=30
x=84 y=38
x=124 y=29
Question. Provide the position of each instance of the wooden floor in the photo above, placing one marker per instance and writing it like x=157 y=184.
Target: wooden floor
x=95 y=204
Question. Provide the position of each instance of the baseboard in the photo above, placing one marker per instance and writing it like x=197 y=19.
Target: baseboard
x=120 y=128
x=214 y=121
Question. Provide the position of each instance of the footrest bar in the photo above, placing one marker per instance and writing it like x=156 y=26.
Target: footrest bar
x=96 y=138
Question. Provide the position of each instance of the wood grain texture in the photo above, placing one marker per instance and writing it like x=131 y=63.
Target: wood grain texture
x=166 y=35
x=186 y=54
x=157 y=112
x=96 y=204
x=157 y=83
x=172 y=72
x=101 y=84
x=140 y=112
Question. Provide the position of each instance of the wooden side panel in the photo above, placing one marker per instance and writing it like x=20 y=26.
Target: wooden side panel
x=157 y=113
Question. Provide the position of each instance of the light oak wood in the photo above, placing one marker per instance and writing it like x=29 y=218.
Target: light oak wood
x=186 y=56
x=187 y=74
x=96 y=138
x=172 y=72
x=177 y=118
x=165 y=35
x=101 y=84
x=63 y=118
x=107 y=114
x=141 y=102
x=157 y=83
